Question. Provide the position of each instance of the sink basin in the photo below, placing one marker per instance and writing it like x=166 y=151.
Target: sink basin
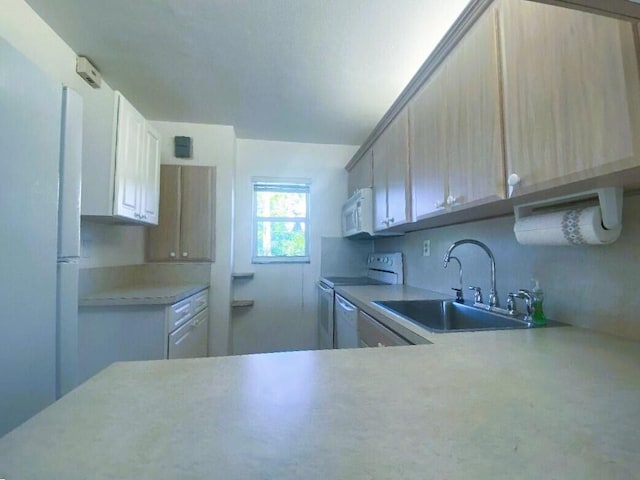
x=447 y=315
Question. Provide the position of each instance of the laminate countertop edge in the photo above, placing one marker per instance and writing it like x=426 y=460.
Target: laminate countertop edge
x=141 y=295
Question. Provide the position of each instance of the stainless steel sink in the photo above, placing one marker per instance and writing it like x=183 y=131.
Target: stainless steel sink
x=447 y=315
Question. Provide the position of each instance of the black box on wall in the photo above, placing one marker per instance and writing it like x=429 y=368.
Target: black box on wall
x=182 y=147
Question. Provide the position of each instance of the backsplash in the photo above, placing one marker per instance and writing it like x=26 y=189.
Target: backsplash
x=105 y=278
x=343 y=257
x=590 y=286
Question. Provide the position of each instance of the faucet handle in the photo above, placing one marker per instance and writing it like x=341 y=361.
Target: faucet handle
x=477 y=298
x=459 y=297
x=528 y=299
x=511 y=303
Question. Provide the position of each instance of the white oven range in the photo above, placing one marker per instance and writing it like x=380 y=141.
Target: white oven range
x=337 y=318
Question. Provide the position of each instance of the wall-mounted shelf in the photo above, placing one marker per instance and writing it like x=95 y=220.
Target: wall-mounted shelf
x=241 y=303
x=246 y=275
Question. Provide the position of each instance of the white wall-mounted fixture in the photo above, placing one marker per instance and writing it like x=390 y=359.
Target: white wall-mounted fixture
x=540 y=223
x=88 y=72
x=610 y=199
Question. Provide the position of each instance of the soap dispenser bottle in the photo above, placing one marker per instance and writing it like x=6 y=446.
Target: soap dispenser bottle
x=537 y=313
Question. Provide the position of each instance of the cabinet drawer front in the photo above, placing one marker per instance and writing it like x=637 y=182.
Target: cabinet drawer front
x=179 y=313
x=373 y=334
x=200 y=301
x=190 y=340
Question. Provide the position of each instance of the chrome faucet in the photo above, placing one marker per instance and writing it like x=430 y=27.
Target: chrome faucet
x=493 y=295
x=459 y=295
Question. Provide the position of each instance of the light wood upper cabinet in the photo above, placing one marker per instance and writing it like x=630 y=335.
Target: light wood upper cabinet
x=428 y=153
x=163 y=241
x=392 y=195
x=473 y=122
x=457 y=159
x=571 y=94
x=197 y=213
x=361 y=175
x=185 y=230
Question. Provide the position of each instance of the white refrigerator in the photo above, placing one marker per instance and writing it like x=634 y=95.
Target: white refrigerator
x=40 y=181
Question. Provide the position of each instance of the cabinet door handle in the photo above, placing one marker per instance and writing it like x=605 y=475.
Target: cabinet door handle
x=513 y=181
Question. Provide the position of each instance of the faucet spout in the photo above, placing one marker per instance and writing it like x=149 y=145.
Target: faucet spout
x=493 y=295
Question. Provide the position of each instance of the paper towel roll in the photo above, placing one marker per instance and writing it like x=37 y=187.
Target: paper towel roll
x=581 y=226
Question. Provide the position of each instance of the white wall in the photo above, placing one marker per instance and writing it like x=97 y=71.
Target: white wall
x=591 y=286
x=284 y=314
x=26 y=31
x=213 y=145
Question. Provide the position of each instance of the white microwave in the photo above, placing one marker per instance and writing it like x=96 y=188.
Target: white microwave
x=357 y=214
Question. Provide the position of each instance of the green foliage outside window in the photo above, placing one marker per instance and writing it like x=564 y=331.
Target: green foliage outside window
x=281 y=219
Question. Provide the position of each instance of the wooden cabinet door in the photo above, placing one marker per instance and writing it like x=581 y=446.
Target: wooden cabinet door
x=571 y=96
x=150 y=176
x=398 y=191
x=427 y=145
x=379 y=187
x=391 y=174
x=472 y=117
x=197 y=214
x=129 y=143
x=163 y=241
x=361 y=175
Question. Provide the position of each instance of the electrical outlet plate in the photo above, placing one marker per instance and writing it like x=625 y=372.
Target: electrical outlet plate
x=426 y=248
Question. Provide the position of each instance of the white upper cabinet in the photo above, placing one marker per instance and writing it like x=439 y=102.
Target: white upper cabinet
x=124 y=186
x=150 y=198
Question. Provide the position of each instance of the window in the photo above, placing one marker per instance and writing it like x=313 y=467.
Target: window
x=281 y=221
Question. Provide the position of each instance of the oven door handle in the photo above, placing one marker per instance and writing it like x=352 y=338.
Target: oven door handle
x=327 y=290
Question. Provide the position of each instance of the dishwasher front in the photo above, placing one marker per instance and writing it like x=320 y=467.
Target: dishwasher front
x=346 y=318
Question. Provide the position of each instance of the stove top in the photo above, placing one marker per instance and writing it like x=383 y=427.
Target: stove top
x=382 y=269
x=342 y=281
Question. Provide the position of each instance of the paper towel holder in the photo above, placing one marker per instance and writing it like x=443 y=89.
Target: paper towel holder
x=610 y=199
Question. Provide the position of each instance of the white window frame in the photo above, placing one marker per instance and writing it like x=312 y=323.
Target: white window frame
x=291 y=185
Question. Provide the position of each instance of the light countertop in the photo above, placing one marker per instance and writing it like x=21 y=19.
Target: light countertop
x=558 y=403
x=141 y=295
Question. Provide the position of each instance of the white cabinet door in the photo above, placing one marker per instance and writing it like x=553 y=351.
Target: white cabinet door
x=150 y=176
x=129 y=146
x=129 y=186
x=190 y=340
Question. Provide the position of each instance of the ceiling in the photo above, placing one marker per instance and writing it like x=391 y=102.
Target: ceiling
x=320 y=71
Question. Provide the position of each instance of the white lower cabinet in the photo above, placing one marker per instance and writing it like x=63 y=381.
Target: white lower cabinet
x=190 y=340
x=116 y=333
